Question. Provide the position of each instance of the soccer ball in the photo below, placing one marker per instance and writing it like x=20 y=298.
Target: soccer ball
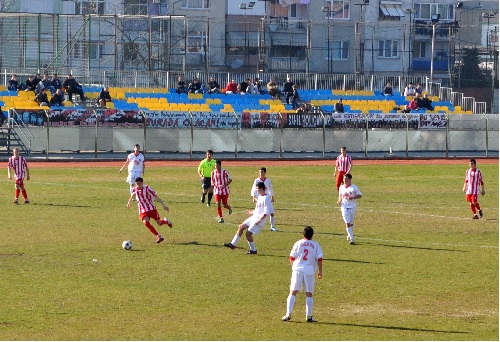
x=127 y=245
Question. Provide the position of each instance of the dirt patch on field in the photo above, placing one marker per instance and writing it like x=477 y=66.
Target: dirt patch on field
x=261 y=162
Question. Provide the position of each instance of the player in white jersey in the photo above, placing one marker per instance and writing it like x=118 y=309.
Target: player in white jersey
x=20 y=169
x=256 y=222
x=269 y=191
x=136 y=166
x=145 y=195
x=473 y=179
x=348 y=196
x=306 y=254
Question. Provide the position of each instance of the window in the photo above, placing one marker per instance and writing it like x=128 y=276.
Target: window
x=201 y=4
x=425 y=11
x=338 y=9
x=340 y=49
x=131 y=51
x=89 y=7
x=390 y=10
x=388 y=48
x=136 y=7
x=196 y=42
x=419 y=49
x=81 y=50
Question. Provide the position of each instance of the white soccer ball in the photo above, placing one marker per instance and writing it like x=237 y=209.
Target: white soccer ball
x=127 y=245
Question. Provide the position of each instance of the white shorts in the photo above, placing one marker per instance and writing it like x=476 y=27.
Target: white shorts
x=348 y=214
x=254 y=228
x=132 y=175
x=299 y=278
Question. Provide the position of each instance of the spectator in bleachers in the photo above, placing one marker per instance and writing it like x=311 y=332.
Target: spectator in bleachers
x=304 y=108
x=73 y=87
x=56 y=83
x=425 y=102
x=232 y=87
x=39 y=87
x=195 y=86
x=47 y=84
x=418 y=89
x=388 y=90
x=104 y=96
x=409 y=90
x=257 y=84
x=213 y=86
x=339 y=106
x=295 y=97
x=42 y=99
x=272 y=88
x=288 y=89
x=243 y=86
x=37 y=80
x=30 y=84
x=14 y=84
x=413 y=105
x=57 y=99
x=181 y=86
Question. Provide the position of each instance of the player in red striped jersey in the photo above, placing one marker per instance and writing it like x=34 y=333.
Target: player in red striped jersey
x=145 y=196
x=473 y=179
x=20 y=168
x=220 y=181
x=343 y=166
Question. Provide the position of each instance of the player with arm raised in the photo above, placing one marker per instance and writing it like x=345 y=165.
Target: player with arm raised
x=269 y=191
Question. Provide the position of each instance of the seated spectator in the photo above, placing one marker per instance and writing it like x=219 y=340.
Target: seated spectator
x=288 y=89
x=104 y=96
x=30 y=84
x=14 y=84
x=181 y=86
x=295 y=97
x=195 y=86
x=339 y=107
x=409 y=90
x=425 y=102
x=304 y=108
x=257 y=84
x=418 y=89
x=272 y=88
x=413 y=105
x=47 y=84
x=232 y=87
x=388 y=90
x=56 y=83
x=242 y=87
x=39 y=87
x=42 y=99
x=37 y=80
x=57 y=99
x=213 y=86
x=73 y=87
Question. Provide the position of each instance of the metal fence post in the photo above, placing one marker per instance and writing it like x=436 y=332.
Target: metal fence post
x=447 y=133
x=145 y=130
x=192 y=135
x=96 y=133
x=324 y=132
x=486 y=134
x=281 y=133
x=407 y=132
x=236 y=141
x=47 y=114
x=366 y=136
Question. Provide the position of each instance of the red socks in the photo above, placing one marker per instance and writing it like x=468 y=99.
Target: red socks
x=17 y=193
x=151 y=228
x=219 y=211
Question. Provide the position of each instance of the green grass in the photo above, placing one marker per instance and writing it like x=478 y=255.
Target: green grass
x=422 y=269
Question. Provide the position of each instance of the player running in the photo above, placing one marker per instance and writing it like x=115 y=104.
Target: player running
x=269 y=191
x=145 y=196
x=473 y=179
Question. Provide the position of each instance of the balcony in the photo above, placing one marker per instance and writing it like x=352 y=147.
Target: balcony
x=280 y=24
x=425 y=64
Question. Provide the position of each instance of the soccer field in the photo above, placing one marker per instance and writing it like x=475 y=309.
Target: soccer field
x=422 y=269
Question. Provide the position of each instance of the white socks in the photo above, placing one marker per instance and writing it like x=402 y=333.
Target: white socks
x=252 y=246
x=350 y=233
x=309 y=306
x=271 y=220
x=235 y=240
x=290 y=301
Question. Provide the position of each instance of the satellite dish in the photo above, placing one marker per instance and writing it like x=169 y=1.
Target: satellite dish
x=236 y=63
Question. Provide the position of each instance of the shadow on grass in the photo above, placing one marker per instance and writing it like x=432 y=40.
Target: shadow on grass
x=62 y=205
x=388 y=327
x=415 y=247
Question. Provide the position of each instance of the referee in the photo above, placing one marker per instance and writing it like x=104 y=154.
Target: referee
x=205 y=169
